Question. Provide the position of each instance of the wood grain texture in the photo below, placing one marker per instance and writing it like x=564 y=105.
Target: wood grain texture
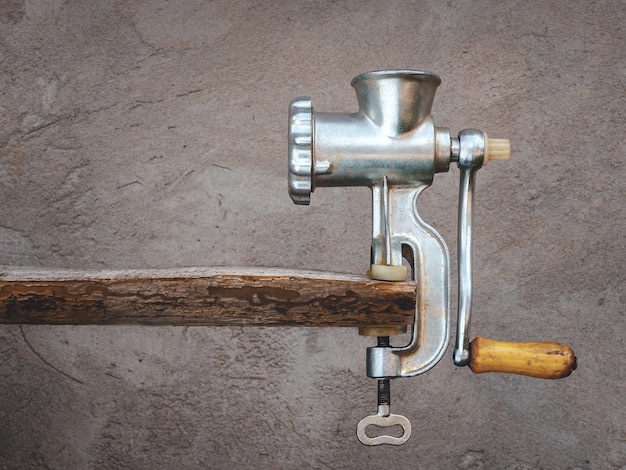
x=195 y=296
x=543 y=360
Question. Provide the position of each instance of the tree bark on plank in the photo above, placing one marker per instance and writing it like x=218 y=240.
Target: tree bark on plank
x=199 y=296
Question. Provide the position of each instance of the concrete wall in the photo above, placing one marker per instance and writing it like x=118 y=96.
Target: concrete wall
x=153 y=134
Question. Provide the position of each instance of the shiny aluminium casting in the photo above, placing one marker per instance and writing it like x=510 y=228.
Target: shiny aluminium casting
x=392 y=146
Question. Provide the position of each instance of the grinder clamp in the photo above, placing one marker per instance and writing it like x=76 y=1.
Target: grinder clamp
x=392 y=146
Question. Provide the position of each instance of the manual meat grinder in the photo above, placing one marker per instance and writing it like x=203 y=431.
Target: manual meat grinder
x=392 y=146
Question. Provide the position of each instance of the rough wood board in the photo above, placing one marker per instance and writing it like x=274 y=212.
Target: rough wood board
x=196 y=296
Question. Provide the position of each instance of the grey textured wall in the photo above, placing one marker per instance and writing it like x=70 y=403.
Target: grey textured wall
x=153 y=134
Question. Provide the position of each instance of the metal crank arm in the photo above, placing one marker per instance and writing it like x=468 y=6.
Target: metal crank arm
x=544 y=360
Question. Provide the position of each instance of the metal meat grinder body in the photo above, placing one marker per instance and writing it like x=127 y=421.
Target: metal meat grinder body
x=392 y=146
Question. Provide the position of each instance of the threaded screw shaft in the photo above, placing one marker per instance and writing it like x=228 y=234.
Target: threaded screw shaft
x=384 y=385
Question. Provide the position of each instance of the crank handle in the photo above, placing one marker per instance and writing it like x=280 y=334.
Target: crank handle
x=543 y=360
x=472 y=150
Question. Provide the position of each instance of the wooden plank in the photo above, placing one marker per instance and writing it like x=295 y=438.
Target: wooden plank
x=196 y=296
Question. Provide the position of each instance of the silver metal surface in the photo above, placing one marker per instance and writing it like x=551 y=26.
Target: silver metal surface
x=396 y=101
x=470 y=160
x=431 y=328
x=392 y=146
x=383 y=419
x=386 y=222
x=300 y=137
x=392 y=135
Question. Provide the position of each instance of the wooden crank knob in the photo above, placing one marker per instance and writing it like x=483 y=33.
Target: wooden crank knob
x=544 y=360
